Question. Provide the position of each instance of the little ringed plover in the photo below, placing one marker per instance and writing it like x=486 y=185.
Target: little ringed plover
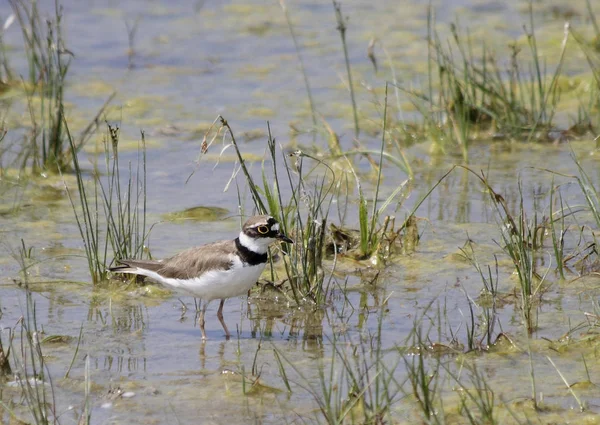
x=219 y=270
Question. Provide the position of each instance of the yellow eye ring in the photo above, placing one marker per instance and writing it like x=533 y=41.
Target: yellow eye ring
x=263 y=230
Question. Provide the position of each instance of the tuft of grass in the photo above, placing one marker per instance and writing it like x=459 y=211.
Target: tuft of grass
x=471 y=94
x=477 y=397
x=46 y=147
x=488 y=302
x=356 y=385
x=30 y=369
x=377 y=242
x=49 y=61
x=112 y=217
x=519 y=242
x=310 y=186
x=423 y=381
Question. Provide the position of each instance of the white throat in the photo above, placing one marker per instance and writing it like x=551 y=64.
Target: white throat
x=259 y=245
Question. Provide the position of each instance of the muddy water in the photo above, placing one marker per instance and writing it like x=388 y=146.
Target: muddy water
x=190 y=63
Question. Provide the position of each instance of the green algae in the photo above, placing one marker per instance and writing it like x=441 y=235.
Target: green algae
x=199 y=213
x=98 y=88
x=261 y=112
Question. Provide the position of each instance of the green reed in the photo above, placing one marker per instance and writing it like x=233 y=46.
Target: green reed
x=86 y=415
x=558 y=233
x=49 y=60
x=112 y=216
x=372 y=237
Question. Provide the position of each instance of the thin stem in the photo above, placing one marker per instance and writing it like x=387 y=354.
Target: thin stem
x=342 y=29
x=313 y=110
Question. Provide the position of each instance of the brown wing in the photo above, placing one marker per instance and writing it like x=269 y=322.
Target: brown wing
x=192 y=262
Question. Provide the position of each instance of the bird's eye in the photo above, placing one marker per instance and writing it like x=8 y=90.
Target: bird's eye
x=263 y=230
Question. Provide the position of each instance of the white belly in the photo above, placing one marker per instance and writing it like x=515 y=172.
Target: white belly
x=216 y=284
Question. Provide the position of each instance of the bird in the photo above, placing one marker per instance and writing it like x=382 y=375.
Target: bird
x=218 y=270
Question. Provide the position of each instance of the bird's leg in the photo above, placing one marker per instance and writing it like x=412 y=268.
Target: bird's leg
x=201 y=320
x=183 y=310
x=220 y=316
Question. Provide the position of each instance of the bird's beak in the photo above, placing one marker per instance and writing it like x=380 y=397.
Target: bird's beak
x=283 y=238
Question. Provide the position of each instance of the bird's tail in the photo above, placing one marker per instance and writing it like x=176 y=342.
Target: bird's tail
x=136 y=266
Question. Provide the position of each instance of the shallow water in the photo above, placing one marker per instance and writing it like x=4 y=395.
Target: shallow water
x=147 y=363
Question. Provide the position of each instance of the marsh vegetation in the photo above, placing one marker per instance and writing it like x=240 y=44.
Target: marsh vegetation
x=442 y=190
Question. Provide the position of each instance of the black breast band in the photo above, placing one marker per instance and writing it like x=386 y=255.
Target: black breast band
x=250 y=258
